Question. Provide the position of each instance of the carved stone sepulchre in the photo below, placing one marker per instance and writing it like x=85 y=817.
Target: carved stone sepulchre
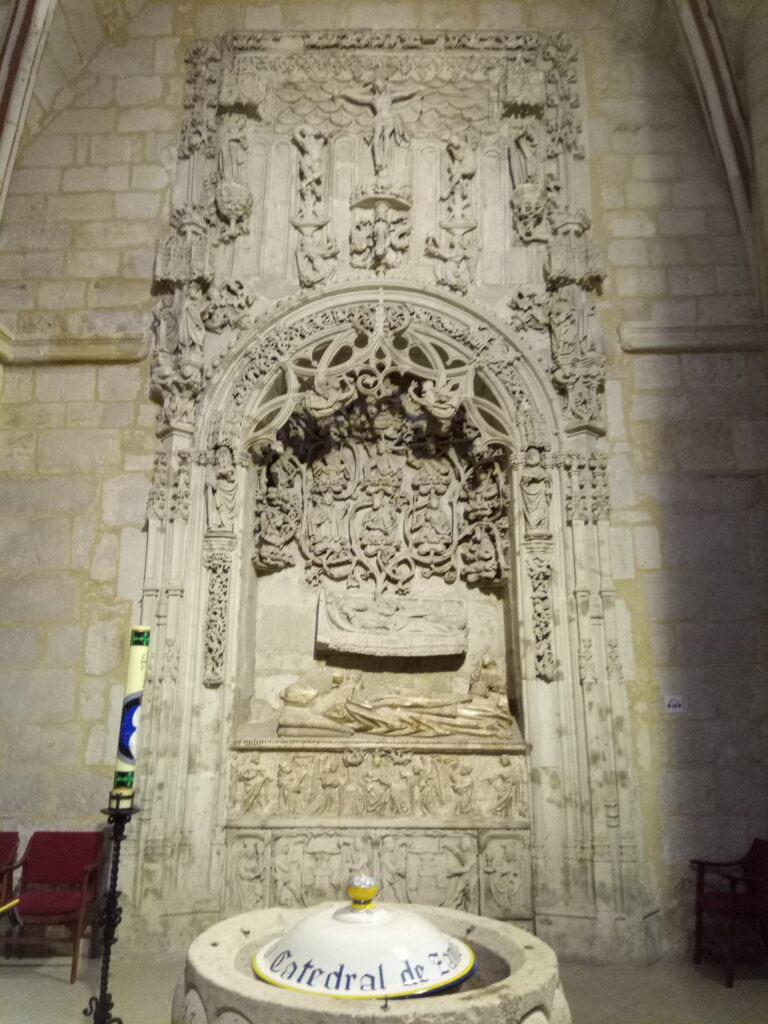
x=377 y=569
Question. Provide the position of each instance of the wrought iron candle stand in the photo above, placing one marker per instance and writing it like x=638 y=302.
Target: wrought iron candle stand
x=119 y=813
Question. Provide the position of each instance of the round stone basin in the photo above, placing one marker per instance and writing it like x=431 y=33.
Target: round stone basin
x=515 y=982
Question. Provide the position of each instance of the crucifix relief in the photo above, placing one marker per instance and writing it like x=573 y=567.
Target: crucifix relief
x=387 y=130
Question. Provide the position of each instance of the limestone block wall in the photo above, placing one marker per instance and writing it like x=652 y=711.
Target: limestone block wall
x=688 y=430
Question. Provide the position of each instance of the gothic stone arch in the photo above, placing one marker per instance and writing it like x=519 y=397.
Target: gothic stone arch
x=265 y=787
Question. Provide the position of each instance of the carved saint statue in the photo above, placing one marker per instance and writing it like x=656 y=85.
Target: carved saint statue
x=311 y=143
x=221 y=489
x=523 y=155
x=191 y=326
x=462 y=168
x=249 y=876
x=536 y=490
x=387 y=128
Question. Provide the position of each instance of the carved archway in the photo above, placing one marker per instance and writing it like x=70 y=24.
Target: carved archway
x=217 y=801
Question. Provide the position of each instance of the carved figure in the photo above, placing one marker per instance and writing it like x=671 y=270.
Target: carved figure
x=529 y=310
x=278 y=516
x=165 y=328
x=387 y=128
x=328 y=396
x=504 y=789
x=252 y=779
x=290 y=787
x=315 y=256
x=384 y=471
x=311 y=143
x=501 y=864
x=191 y=327
x=228 y=305
x=536 y=492
x=330 y=785
x=462 y=167
x=249 y=876
x=427 y=790
x=392 y=857
x=523 y=153
x=287 y=866
x=564 y=327
x=431 y=531
x=456 y=270
x=486 y=679
x=234 y=201
x=463 y=786
x=221 y=489
x=441 y=399
x=529 y=206
x=459 y=863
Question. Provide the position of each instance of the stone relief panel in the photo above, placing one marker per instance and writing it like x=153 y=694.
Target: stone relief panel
x=505 y=875
x=481 y=871
x=247 y=872
x=358 y=783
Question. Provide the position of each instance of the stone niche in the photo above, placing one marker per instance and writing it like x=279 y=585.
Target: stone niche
x=385 y=633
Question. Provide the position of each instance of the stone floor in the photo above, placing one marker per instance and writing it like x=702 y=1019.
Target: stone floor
x=37 y=992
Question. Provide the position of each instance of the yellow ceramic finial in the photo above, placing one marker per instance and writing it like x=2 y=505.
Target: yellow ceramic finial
x=362 y=891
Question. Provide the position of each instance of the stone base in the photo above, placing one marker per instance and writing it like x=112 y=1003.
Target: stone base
x=516 y=981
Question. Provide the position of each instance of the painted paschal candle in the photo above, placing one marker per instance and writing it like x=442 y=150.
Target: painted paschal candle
x=129 y=718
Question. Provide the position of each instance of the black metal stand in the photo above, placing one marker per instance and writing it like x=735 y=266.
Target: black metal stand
x=110 y=918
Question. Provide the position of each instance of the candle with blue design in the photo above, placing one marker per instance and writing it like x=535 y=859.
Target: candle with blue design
x=125 y=766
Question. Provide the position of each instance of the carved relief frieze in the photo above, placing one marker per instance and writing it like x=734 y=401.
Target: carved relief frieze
x=476 y=871
x=380 y=782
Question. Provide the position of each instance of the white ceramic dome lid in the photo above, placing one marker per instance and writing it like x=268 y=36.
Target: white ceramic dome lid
x=364 y=951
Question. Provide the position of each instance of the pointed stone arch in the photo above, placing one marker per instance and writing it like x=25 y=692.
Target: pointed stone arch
x=573 y=833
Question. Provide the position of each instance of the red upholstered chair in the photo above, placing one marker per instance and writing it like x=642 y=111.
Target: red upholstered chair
x=9 y=845
x=59 y=872
x=745 y=899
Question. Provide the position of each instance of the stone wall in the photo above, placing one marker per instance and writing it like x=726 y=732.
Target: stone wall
x=688 y=430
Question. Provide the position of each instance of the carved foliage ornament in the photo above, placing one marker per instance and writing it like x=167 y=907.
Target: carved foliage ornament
x=392 y=481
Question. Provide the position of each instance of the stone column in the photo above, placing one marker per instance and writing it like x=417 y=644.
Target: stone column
x=756 y=75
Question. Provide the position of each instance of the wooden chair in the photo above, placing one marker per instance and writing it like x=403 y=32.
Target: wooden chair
x=9 y=845
x=59 y=872
x=745 y=899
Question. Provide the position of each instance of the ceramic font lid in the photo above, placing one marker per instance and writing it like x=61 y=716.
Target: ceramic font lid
x=364 y=951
